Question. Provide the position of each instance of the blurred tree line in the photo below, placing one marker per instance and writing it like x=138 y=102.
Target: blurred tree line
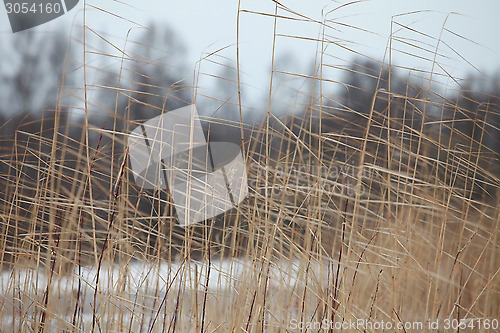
x=377 y=101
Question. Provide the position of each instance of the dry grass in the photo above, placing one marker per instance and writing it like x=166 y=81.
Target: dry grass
x=352 y=215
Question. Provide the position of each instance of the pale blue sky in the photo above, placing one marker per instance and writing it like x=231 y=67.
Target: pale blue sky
x=470 y=42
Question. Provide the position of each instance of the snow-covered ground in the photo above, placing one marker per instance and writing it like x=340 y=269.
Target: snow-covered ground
x=136 y=291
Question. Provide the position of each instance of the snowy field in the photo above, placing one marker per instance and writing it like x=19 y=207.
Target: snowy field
x=139 y=295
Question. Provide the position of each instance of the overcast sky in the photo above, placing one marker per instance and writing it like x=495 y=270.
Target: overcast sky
x=469 y=41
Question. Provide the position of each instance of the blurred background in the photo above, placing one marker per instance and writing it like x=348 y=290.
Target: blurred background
x=370 y=126
x=433 y=68
x=195 y=40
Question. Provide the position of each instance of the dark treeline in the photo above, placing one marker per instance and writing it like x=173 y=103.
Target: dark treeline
x=400 y=118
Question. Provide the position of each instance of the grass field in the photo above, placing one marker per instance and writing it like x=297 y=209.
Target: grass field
x=381 y=217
